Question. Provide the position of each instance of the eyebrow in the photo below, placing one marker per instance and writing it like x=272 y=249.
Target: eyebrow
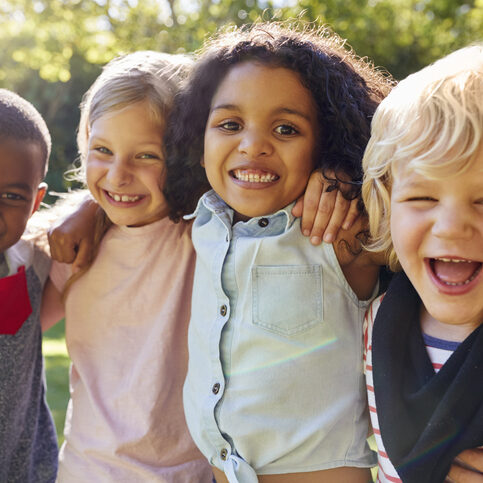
x=20 y=185
x=24 y=187
x=280 y=110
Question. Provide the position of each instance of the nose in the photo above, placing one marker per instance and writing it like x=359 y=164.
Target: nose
x=119 y=173
x=452 y=221
x=254 y=144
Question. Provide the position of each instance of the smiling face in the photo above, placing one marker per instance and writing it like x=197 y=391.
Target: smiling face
x=21 y=170
x=125 y=165
x=437 y=231
x=260 y=139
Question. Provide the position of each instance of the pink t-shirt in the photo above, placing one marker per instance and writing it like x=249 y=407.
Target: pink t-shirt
x=126 y=334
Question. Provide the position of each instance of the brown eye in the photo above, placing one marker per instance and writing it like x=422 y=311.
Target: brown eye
x=286 y=130
x=230 y=126
x=11 y=196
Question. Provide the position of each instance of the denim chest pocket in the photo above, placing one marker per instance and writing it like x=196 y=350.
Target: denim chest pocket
x=287 y=299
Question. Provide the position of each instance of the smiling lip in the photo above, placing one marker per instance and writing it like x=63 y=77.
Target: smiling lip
x=254 y=178
x=123 y=199
x=458 y=277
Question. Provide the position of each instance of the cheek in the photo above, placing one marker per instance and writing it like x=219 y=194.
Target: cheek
x=407 y=234
x=154 y=178
x=399 y=230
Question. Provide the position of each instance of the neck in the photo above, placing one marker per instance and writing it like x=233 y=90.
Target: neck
x=450 y=332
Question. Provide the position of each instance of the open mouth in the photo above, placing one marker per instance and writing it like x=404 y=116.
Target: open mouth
x=254 y=175
x=123 y=198
x=454 y=272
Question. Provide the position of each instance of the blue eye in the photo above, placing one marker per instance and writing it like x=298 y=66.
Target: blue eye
x=103 y=150
x=286 y=130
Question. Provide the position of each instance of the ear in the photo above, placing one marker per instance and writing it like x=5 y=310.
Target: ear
x=202 y=162
x=42 y=190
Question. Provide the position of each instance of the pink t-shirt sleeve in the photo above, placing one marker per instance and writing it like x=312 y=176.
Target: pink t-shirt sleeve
x=59 y=274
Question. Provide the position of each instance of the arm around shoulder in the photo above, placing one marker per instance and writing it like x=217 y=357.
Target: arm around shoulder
x=360 y=268
x=52 y=308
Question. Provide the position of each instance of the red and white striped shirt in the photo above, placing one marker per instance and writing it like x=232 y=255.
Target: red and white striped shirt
x=439 y=352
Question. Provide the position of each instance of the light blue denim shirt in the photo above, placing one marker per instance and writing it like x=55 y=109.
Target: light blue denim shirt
x=275 y=380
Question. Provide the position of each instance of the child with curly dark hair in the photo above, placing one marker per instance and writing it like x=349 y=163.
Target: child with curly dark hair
x=275 y=384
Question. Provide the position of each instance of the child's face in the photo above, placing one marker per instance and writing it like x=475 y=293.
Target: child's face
x=437 y=231
x=20 y=195
x=125 y=167
x=260 y=139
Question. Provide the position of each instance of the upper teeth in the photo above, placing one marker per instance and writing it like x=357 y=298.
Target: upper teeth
x=254 y=177
x=453 y=260
x=124 y=198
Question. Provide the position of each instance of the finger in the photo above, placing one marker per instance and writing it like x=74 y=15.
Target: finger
x=471 y=458
x=458 y=474
x=352 y=214
x=83 y=256
x=341 y=207
x=323 y=215
x=62 y=249
x=55 y=246
x=312 y=196
x=298 y=208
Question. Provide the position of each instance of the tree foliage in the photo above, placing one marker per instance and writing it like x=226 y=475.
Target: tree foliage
x=52 y=50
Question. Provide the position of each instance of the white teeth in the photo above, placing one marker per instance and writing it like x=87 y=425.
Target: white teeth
x=254 y=177
x=453 y=260
x=123 y=198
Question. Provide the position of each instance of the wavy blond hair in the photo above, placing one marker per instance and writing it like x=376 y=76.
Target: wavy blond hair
x=431 y=123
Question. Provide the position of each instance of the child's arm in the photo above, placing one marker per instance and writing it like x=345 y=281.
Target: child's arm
x=324 y=210
x=467 y=467
x=52 y=308
x=71 y=240
x=360 y=268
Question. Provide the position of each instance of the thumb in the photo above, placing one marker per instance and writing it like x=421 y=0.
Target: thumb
x=298 y=208
x=84 y=256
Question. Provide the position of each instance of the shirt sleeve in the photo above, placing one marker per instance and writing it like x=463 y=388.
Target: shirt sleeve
x=59 y=274
x=369 y=318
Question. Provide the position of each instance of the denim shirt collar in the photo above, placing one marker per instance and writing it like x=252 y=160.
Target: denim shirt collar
x=273 y=224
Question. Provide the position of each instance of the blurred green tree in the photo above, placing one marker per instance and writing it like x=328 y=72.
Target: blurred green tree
x=54 y=49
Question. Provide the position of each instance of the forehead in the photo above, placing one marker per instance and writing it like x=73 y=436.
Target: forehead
x=467 y=172
x=438 y=168
x=252 y=83
x=136 y=117
x=21 y=162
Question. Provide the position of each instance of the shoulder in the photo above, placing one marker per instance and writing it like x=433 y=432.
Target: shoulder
x=27 y=254
x=369 y=318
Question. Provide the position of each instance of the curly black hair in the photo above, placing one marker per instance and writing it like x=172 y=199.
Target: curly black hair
x=346 y=90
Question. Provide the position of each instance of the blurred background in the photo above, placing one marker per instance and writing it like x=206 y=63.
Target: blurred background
x=52 y=50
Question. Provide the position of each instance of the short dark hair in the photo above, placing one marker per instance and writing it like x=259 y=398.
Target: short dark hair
x=20 y=120
x=346 y=90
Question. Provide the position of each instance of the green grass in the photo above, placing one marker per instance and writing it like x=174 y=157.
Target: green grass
x=57 y=373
